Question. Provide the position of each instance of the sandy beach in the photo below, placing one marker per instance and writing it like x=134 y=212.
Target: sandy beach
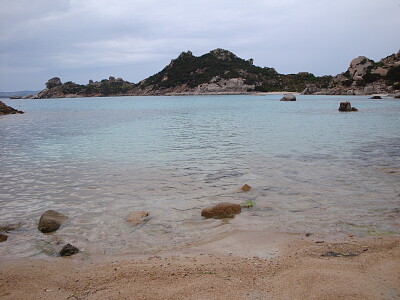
x=235 y=265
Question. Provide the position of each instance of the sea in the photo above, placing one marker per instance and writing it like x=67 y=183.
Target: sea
x=312 y=169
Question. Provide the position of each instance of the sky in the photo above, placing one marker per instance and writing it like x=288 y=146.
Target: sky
x=79 y=40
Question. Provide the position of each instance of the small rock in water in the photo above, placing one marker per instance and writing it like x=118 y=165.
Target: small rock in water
x=346 y=106
x=68 y=250
x=245 y=188
x=9 y=227
x=137 y=217
x=376 y=97
x=221 y=210
x=50 y=221
x=288 y=97
x=3 y=237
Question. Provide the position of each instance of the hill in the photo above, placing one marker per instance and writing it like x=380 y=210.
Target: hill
x=222 y=72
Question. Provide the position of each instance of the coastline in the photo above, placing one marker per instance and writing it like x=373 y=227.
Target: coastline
x=235 y=265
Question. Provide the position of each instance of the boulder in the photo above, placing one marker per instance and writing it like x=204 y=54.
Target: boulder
x=346 y=106
x=288 y=97
x=68 y=250
x=359 y=66
x=376 y=97
x=50 y=221
x=245 y=188
x=310 y=89
x=221 y=210
x=7 y=110
x=3 y=237
x=137 y=217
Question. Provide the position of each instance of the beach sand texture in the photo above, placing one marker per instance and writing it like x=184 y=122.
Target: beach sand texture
x=238 y=265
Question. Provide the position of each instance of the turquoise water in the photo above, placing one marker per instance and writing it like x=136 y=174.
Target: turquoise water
x=312 y=168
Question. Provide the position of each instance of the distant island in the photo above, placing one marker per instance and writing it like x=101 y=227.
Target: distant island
x=222 y=72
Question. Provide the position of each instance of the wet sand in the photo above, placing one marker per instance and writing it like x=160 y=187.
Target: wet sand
x=235 y=265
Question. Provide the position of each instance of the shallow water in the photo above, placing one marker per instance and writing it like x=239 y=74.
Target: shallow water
x=312 y=168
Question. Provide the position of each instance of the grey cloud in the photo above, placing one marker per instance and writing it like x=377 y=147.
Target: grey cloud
x=133 y=39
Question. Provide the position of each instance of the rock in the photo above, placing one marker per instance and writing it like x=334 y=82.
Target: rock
x=221 y=210
x=288 y=97
x=376 y=97
x=53 y=82
x=68 y=250
x=8 y=110
x=50 y=221
x=3 y=237
x=397 y=96
x=310 y=89
x=245 y=188
x=346 y=106
x=9 y=227
x=359 y=66
x=137 y=217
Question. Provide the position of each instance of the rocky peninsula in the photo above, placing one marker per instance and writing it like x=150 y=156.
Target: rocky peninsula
x=222 y=72
x=8 y=110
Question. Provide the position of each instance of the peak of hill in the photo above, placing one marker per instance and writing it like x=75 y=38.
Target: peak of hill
x=222 y=72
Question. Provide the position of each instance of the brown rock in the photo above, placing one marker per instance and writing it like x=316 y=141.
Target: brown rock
x=245 y=188
x=221 y=210
x=137 y=217
x=8 y=110
x=3 y=237
x=68 y=250
x=9 y=227
x=346 y=106
x=50 y=221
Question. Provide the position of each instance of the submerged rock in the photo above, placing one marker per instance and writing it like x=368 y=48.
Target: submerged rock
x=9 y=227
x=68 y=250
x=245 y=188
x=288 y=97
x=50 y=221
x=221 y=210
x=346 y=106
x=8 y=110
x=137 y=217
x=3 y=237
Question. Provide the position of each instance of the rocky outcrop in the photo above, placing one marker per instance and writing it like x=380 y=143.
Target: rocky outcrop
x=359 y=66
x=68 y=250
x=288 y=97
x=221 y=210
x=363 y=77
x=219 y=86
x=50 y=221
x=7 y=110
x=137 y=217
x=346 y=106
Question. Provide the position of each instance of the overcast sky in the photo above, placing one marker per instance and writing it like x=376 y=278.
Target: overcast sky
x=79 y=40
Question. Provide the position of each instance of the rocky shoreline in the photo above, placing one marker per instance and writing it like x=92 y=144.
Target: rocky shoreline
x=8 y=110
x=221 y=72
